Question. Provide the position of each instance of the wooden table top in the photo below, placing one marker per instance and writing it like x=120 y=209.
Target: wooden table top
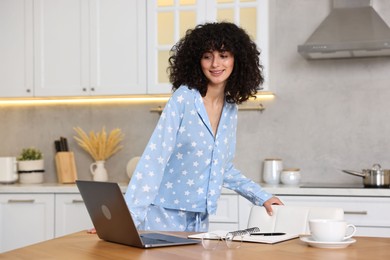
x=82 y=245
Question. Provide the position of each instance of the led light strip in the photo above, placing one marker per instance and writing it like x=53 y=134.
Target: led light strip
x=101 y=100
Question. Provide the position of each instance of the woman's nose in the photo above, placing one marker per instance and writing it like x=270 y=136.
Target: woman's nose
x=215 y=62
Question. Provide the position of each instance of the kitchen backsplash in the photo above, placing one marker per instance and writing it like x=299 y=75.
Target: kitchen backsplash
x=327 y=115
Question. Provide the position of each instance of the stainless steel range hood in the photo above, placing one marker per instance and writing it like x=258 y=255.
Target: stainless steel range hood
x=353 y=29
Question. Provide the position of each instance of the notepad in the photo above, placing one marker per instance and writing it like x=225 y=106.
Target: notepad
x=249 y=238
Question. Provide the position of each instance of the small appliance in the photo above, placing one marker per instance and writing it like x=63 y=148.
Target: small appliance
x=8 y=170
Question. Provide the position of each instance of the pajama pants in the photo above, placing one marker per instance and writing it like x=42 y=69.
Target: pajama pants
x=162 y=219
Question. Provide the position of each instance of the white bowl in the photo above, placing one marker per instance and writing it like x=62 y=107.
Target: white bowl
x=290 y=176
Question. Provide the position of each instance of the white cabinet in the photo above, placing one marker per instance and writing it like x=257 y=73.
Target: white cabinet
x=89 y=47
x=16 y=53
x=226 y=217
x=25 y=219
x=169 y=20
x=371 y=215
x=72 y=47
x=71 y=214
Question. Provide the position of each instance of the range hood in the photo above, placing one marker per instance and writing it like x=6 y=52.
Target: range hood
x=353 y=29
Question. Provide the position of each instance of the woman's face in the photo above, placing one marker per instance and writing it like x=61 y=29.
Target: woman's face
x=217 y=66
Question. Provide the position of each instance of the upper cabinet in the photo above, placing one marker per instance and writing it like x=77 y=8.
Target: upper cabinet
x=105 y=47
x=16 y=48
x=168 y=20
x=73 y=47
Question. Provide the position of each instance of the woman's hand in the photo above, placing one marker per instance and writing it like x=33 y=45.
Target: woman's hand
x=272 y=201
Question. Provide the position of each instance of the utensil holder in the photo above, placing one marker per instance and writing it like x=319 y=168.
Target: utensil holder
x=66 y=167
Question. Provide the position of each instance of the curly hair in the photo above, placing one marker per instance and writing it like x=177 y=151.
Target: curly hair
x=184 y=62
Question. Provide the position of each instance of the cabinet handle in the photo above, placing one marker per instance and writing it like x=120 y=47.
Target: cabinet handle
x=28 y=90
x=84 y=89
x=92 y=89
x=363 y=212
x=77 y=201
x=21 y=201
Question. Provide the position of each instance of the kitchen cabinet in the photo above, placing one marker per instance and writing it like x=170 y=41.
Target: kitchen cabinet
x=16 y=48
x=169 y=20
x=73 y=48
x=370 y=215
x=226 y=217
x=25 y=219
x=71 y=215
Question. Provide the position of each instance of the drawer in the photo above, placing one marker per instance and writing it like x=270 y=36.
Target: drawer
x=361 y=211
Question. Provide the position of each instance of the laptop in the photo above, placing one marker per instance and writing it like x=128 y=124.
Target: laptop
x=112 y=219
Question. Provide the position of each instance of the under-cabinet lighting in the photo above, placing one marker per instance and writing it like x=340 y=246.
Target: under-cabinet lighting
x=78 y=100
x=101 y=99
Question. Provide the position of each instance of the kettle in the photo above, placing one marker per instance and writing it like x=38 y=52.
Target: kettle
x=8 y=170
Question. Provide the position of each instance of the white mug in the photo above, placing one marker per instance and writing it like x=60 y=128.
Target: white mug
x=330 y=230
x=271 y=170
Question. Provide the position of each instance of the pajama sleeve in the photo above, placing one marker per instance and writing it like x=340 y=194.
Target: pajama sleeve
x=145 y=182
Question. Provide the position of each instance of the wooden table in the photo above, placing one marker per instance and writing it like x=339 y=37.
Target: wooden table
x=87 y=246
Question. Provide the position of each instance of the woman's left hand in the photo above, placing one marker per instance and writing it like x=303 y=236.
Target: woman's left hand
x=272 y=201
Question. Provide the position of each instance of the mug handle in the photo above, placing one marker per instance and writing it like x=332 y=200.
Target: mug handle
x=353 y=231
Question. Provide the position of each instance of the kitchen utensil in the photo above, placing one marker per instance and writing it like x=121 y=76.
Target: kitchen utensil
x=271 y=170
x=376 y=177
x=61 y=145
x=8 y=170
x=290 y=176
x=331 y=230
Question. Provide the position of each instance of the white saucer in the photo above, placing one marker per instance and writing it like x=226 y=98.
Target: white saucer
x=341 y=244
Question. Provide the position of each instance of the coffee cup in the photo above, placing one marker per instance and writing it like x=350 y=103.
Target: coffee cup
x=330 y=230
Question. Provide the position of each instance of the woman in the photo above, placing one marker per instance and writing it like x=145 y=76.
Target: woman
x=189 y=157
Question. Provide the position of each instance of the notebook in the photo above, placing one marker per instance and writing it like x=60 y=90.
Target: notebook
x=254 y=237
x=112 y=219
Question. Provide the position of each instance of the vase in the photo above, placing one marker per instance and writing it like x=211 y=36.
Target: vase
x=31 y=172
x=98 y=171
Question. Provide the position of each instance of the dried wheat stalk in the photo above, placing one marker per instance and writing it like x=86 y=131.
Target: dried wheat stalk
x=99 y=145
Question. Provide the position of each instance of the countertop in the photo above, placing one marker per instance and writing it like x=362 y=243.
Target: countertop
x=286 y=190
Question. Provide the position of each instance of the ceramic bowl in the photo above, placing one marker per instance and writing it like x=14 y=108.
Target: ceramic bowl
x=290 y=176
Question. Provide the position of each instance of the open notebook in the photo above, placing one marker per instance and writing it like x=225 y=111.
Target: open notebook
x=251 y=235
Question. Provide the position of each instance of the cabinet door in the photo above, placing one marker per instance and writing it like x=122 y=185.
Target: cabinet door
x=226 y=217
x=118 y=47
x=61 y=42
x=25 y=219
x=371 y=215
x=168 y=21
x=71 y=214
x=16 y=55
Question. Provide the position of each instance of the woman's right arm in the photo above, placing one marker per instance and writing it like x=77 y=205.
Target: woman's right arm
x=146 y=179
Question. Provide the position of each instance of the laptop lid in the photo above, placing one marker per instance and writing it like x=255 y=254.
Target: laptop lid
x=112 y=219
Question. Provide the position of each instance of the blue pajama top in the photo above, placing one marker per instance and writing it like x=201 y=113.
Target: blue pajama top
x=184 y=166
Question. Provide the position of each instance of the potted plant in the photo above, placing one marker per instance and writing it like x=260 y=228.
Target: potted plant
x=30 y=166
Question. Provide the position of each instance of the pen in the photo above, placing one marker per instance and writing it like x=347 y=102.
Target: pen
x=268 y=234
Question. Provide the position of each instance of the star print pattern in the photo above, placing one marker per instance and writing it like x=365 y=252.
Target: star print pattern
x=184 y=166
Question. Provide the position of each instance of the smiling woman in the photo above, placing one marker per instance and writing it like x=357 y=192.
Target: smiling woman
x=189 y=158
